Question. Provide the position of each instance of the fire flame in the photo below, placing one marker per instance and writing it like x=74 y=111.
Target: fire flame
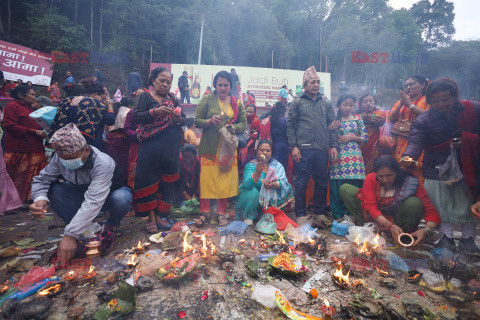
x=204 y=243
x=364 y=248
x=213 y=249
x=310 y=240
x=325 y=301
x=414 y=277
x=139 y=245
x=341 y=278
x=357 y=241
x=382 y=272
x=375 y=241
x=186 y=245
x=132 y=260
x=282 y=241
x=5 y=288
x=92 y=268
x=51 y=290
x=253 y=243
x=71 y=273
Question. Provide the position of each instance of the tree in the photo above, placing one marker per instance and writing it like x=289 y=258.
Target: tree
x=436 y=22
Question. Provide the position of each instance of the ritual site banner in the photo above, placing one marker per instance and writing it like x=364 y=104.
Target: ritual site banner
x=264 y=83
x=18 y=62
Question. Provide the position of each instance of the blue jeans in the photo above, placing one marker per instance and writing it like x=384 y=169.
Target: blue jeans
x=66 y=198
x=314 y=162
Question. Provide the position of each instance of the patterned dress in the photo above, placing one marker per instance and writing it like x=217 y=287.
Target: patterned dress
x=350 y=163
x=349 y=168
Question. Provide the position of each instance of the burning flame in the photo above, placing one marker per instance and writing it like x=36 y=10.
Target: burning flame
x=186 y=245
x=414 y=277
x=282 y=241
x=92 y=269
x=132 y=260
x=213 y=249
x=52 y=290
x=204 y=243
x=5 y=288
x=382 y=272
x=375 y=241
x=310 y=240
x=71 y=273
x=139 y=245
x=364 y=248
x=325 y=301
x=253 y=243
x=341 y=278
x=357 y=241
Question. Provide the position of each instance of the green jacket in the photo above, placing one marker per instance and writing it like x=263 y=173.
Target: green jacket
x=207 y=108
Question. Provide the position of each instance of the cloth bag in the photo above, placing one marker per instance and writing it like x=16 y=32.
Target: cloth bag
x=228 y=146
x=44 y=116
x=450 y=172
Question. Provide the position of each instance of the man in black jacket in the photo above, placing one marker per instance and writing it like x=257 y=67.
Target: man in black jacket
x=183 y=87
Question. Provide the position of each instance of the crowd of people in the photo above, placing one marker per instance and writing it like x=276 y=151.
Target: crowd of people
x=139 y=153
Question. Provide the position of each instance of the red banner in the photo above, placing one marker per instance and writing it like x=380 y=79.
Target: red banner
x=18 y=62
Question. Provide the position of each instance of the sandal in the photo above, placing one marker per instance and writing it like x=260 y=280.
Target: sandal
x=222 y=220
x=151 y=227
x=164 y=224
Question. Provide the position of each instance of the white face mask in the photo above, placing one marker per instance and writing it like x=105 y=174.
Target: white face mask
x=72 y=164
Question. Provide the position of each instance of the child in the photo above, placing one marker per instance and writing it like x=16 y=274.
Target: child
x=189 y=171
x=349 y=168
x=190 y=136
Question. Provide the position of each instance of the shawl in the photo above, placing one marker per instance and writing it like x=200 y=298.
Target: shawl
x=160 y=123
x=408 y=189
x=270 y=196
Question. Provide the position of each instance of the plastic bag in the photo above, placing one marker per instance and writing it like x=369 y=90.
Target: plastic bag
x=450 y=172
x=339 y=250
x=35 y=274
x=361 y=234
x=191 y=206
x=236 y=227
x=265 y=294
x=340 y=228
x=178 y=226
x=281 y=219
x=348 y=220
x=387 y=139
x=396 y=262
x=300 y=233
x=266 y=224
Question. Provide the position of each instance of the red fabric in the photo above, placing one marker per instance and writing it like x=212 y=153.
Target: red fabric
x=265 y=130
x=20 y=136
x=281 y=219
x=370 y=197
x=163 y=207
x=145 y=192
x=171 y=178
x=144 y=207
x=221 y=206
x=234 y=104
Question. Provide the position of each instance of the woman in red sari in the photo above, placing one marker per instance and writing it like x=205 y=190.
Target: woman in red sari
x=373 y=118
x=24 y=151
x=411 y=104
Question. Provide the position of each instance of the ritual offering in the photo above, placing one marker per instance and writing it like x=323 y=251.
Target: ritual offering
x=51 y=290
x=178 y=269
x=291 y=313
x=90 y=274
x=71 y=275
x=289 y=264
x=328 y=310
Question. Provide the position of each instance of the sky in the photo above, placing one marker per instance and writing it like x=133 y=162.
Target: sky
x=467 y=23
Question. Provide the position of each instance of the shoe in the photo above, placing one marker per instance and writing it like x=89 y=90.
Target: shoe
x=446 y=243
x=248 y=221
x=469 y=247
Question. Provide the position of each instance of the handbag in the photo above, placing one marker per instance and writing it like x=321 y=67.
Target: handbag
x=401 y=128
x=44 y=116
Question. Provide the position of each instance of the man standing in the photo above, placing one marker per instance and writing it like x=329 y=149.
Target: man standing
x=235 y=80
x=92 y=183
x=134 y=81
x=183 y=87
x=98 y=76
x=311 y=143
x=69 y=84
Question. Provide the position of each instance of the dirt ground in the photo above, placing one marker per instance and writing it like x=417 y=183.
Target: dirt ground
x=228 y=298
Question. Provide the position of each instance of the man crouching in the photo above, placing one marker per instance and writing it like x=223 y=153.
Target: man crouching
x=91 y=182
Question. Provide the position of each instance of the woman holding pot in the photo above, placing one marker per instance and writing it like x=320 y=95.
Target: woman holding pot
x=395 y=200
x=411 y=104
x=214 y=112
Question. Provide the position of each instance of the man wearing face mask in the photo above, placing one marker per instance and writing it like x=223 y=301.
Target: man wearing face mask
x=92 y=182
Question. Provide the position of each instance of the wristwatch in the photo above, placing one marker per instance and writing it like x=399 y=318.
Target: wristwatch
x=411 y=106
x=428 y=232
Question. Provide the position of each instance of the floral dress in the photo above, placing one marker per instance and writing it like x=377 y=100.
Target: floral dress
x=349 y=167
x=350 y=163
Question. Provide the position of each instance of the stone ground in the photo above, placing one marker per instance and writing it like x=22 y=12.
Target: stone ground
x=227 y=299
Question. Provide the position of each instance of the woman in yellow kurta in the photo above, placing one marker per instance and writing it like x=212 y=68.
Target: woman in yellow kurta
x=213 y=112
x=411 y=104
